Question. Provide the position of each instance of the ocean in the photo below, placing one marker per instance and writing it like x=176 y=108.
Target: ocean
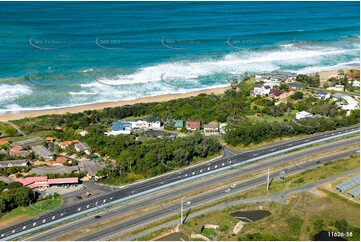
x=61 y=54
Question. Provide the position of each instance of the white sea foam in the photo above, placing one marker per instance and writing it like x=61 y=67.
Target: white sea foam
x=9 y=93
x=83 y=93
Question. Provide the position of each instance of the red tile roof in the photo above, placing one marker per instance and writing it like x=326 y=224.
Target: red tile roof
x=65 y=143
x=28 y=180
x=75 y=141
x=61 y=159
x=193 y=125
x=49 y=139
x=63 y=180
x=276 y=92
x=4 y=142
x=16 y=148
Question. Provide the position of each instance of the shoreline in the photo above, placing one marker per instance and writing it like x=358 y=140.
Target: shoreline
x=324 y=75
x=99 y=106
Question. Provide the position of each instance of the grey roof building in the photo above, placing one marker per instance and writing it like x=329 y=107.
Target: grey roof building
x=344 y=186
x=10 y=163
x=43 y=152
x=27 y=143
x=82 y=146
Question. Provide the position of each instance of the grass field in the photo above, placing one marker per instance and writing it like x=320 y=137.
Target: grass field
x=7 y=130
x=20 y=214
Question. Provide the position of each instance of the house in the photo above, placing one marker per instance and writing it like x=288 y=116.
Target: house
x=18 y=163
x=43 y=181
x=49 y=139
x=20 y=153
x=303 y=115
x=16 y=148
x=61 y=159
x=3 y=142
x=322 y=95
x=261 y=90
x=178 y=123
x=294 y=85
x=64 y=144
x=120 y=128
x=272 y=84
x=82 y=147
x=275 y=94
x=346 y=102
x=212 y=127
x=139 y=124
x=43 y=152
x=154 y=122
x=28 y=143
x=192 y=126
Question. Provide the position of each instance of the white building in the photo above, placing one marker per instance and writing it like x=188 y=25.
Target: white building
x=261 y=90
x=303 y=115
x=154 y=122
x=140 y=124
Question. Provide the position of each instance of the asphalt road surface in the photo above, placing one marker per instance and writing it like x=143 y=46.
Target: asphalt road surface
x=106 y=233
x=155 y=183
x=159 y=200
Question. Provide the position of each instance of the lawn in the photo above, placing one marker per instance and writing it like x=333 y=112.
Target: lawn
x=20 y=214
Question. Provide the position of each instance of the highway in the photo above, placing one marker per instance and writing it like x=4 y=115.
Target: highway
x=107 y=233
x=159 y=200
x=167 y=180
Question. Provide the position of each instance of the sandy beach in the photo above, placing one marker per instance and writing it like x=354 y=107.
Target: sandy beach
x=160 y=98
x=14 y=116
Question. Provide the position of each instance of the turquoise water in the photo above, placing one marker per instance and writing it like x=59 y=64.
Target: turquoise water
x=58 y=54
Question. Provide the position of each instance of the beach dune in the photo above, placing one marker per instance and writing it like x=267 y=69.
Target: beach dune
x=99 y=106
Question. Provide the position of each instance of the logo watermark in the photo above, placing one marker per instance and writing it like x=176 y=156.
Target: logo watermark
x=47 y=43
x=113 y=44
x=240 y=44
x=179 y=44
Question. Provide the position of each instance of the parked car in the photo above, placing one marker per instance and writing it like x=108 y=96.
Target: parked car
x=97 y=216
x=227 y=190
x=233 y=185
x=188 y=203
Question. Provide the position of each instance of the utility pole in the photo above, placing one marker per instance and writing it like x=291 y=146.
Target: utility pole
x=268 y=180
x=181 y=222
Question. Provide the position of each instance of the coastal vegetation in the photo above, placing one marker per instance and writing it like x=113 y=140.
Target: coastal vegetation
x=250 y=120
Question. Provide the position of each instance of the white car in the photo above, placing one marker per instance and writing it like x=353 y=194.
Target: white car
x=233 y=185
x=227 y=190
x=188 y=203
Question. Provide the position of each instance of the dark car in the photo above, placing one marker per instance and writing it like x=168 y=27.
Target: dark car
x=318 y=162
x=97 y=216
